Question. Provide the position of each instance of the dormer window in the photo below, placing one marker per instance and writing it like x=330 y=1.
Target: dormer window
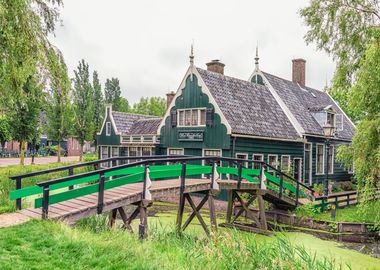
x=108 y=129
x=327 y=116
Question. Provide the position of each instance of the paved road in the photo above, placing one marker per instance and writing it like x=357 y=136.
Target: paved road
x=38 y=160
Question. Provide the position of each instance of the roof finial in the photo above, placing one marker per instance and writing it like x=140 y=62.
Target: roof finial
x=192 y=54
x=257 y=58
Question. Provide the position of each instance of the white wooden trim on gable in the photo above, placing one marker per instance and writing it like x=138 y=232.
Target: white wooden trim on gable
x=282 y=104
x=105 y=120
x=193 y=71
x=341 y=109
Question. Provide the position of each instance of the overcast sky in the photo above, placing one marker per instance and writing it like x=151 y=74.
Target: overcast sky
x=146 y=44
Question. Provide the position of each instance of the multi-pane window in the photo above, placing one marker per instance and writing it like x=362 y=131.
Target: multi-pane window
x=331 y=159
x=108 y=129
x=320 y=157
x=257 y=157
x=330 y=119
x=146 y=151
x=192 y=117
x=133 y=151
x=104 y=152
x=115 y=151
x=243 y=156
x=285 y=163
x=272 y=161
x=175 y=151
x=212 y=153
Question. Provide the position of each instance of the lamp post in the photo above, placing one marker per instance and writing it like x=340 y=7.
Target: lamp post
x=328 y=130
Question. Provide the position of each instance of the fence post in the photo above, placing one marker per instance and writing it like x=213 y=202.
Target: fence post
x=101 y=194
x=45 y=202
x=348 y=199
x=181 y=206
x=18 y=186
x=71 y=172
x=281 y=184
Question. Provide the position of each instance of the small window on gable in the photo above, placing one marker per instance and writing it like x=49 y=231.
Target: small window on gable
x=339 y=122
x=108 y=129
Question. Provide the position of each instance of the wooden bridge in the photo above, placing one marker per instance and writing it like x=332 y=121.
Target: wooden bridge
x=139 y=183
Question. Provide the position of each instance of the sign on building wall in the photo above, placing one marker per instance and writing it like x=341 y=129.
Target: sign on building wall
x=190 y=136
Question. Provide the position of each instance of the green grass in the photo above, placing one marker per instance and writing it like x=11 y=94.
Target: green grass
x=51 y=245
x=356 y=213
x=7 y=185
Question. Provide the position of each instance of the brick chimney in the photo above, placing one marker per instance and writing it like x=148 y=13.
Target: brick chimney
x=215 y=66
x=169 y=98
x=298 y=71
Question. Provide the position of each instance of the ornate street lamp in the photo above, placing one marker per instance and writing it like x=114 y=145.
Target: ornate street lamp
x=328 y=130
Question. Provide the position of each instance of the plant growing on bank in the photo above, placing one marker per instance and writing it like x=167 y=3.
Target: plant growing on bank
x=83 y=106
x=5 y=131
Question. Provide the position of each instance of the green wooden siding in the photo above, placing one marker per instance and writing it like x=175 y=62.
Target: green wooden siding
x=113 y=139
x=215 y=137
x=340 y=174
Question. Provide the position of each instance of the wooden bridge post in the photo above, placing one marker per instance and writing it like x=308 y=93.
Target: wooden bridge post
x=101 y=194
x=18 y=186
x=71 y=172
x=263 y=220
x=181 y=206
x=230 y=200
x=45 y=202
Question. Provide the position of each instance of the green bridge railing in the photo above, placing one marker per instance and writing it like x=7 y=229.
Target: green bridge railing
x=155 y=168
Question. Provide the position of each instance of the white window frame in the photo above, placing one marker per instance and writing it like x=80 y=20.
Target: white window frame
x=174 y=148
x=289 y=161
x=108 y=128
x=203 y=155
x=253 y=158
x=311 y=163
x=191 y=117
x=272 y=155
x=323 y=159
x=331 y=167
x=246 y=157
x=150 y=150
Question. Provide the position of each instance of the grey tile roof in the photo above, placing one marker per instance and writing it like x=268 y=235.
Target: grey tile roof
x=249 y=108
x=125 y=121
x=301 y=101
x=145 y=126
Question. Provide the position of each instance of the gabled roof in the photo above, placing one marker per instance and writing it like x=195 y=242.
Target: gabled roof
x=145 y=126
x=128 y=123
x=302 y=101
x=249 y=108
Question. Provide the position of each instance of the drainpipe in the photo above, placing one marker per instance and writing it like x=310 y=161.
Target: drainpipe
x=233 y=147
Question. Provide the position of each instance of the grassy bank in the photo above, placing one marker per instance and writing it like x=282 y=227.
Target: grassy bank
x=49 y=245
x=7 y=185
x=355 y=213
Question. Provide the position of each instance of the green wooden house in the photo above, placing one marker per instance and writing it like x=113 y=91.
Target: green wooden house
x=265 y=118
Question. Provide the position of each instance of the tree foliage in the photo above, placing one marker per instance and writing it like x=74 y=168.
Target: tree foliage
x=342 y=28
x=350 y=32
x=58 y=107
x=98 y=103
x=26 y=112
x=112 y=92
x=150 y=106
x=83 y=105
x=5 y=131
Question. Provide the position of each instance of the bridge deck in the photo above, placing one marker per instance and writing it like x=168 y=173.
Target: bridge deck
x=74 y=209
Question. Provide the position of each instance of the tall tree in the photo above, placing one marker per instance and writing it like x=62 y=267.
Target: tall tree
x=83 y=106
x=112 y=94
x=98 y=104
x=343 y=29
x=350 y=32
x=150 y=106
x=5 y=131
x=58 y=108
x=26 y=112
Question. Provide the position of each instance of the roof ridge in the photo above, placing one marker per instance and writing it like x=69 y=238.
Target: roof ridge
x=137 y=114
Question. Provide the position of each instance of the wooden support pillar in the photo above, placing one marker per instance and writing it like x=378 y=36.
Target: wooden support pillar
x=230 y=206
x=181 y=206
x=211 y=206
x=112 y=218
x=127 y=221
x=143 y=226
x=263 y=220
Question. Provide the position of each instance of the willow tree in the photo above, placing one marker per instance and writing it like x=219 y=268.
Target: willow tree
x=24 y=29
x=350 y=32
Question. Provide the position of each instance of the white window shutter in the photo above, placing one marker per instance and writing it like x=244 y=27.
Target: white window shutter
x=339 y=122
